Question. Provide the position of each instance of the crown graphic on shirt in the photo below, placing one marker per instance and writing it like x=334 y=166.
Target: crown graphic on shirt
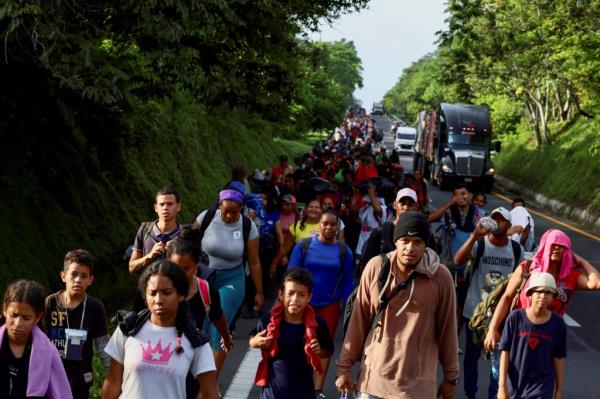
x=157 y=354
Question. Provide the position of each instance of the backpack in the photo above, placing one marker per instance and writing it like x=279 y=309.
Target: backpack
x=209 y=216
x=147 y=229
x=382 y=279
x=386 y=244
x=204 y=290
x=480 y=322
x=130 y=323
x=305 y=243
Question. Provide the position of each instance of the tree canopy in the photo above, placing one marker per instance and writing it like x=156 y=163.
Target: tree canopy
x=539 y=54
x=237 y=53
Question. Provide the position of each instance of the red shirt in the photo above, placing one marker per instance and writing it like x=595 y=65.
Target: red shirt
x=277 y=171
x=365 y=172
x=566 y=289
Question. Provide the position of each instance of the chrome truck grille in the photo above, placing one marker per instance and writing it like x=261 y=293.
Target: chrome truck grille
x=469 y=164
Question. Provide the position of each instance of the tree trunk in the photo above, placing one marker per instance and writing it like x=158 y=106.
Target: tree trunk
x=533 y=120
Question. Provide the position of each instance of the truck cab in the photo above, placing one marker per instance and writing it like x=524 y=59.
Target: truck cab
x=454 y=146
x=405 y=139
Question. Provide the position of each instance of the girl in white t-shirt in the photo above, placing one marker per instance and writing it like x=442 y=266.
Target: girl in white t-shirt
x=154 y=350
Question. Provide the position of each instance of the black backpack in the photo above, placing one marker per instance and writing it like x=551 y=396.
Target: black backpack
x=209 y=216
x=382 y=278
x=130 y=323
x=147 y=232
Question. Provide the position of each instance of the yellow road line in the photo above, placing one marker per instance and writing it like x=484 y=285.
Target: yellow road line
x=553 y=220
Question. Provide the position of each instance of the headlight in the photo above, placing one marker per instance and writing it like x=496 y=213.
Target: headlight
x=490 y=171
x=446 y=169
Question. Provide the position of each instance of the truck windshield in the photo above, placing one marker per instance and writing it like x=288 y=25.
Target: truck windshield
x=473 y=139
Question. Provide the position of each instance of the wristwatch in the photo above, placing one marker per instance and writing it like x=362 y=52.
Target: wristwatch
x=454 y=381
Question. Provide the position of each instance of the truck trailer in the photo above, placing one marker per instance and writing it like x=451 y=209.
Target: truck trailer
x=453 y=145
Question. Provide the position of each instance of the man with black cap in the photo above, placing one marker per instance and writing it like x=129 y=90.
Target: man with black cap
x=382 y=239
x=405 y=327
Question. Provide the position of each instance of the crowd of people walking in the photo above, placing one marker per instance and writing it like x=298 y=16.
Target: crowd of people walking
x=340 y=236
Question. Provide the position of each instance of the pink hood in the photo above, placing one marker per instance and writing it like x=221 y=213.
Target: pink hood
x=541 y=259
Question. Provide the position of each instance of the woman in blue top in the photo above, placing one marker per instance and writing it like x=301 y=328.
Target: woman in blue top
x=333 y=276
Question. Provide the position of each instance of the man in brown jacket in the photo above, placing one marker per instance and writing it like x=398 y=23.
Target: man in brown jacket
x=416 y=328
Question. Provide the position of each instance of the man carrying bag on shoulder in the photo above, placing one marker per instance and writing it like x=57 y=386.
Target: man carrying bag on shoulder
x=405 y=328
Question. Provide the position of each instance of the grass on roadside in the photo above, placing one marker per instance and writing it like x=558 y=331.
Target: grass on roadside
x=566 y=170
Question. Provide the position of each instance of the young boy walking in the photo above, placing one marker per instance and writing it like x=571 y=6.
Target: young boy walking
x=534 y=345
x=73 y=319
x=292 y=339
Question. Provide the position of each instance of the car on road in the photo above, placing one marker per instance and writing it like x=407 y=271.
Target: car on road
x=405 y=139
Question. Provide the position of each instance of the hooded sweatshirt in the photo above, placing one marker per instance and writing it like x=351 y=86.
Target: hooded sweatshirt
x=417 y=329
x=47 y=377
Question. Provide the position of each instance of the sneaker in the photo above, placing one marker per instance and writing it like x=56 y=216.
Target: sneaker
x=460 y=351
x=319 y=394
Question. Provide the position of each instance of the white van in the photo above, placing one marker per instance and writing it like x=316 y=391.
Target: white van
x=405 y=139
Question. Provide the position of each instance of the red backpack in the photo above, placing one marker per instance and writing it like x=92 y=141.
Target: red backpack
x=204 y=290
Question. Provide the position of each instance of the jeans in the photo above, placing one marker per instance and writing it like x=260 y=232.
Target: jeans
x=470 y=363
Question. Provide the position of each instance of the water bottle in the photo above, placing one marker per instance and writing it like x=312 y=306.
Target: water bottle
x=489 y=224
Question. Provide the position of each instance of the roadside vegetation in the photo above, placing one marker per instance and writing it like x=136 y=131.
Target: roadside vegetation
x=535 y=63
x=105 y=102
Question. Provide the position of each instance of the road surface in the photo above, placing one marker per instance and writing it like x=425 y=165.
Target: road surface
x=582 y=370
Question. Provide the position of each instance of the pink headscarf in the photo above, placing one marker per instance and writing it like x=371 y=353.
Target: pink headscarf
x=541 y=259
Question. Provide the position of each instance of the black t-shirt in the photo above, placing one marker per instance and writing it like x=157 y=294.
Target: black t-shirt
x=57 y=319
x=14 y=371
x=197 y=307
x=290 y=374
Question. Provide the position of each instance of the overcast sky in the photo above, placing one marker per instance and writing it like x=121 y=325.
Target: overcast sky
x=389 y=36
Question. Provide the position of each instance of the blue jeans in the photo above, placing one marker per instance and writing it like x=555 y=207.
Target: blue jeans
x=470 y=363
x=231 y=285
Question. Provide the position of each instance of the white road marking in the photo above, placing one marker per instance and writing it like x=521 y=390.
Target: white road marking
x=570 y=321
x=243 y=380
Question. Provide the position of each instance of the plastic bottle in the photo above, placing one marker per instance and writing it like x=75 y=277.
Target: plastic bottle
x=489 y=223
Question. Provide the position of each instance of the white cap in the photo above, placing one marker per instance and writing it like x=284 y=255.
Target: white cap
x=541 y=280
x=406 y=192
x=503 y=212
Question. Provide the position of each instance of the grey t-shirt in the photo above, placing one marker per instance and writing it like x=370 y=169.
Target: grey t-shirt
x=495 y=265
x=223 y=243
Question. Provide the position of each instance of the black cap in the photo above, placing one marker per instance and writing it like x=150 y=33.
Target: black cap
x=412 y=224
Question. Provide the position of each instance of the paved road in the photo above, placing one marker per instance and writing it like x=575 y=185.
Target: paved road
x=582 y=369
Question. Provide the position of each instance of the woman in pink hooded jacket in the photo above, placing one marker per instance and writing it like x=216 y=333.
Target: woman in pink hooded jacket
x=570 y=272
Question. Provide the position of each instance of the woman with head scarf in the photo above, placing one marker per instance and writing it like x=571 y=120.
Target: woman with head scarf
x=554 y=256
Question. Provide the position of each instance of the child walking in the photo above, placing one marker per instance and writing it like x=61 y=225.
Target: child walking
x=533 y=345
x=292 y=339
x=30 y=365
x=74 y=320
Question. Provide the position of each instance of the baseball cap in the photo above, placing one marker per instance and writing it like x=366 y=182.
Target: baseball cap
x=289 y=198
x=503 y=212
x=406 y=192
x=412 y=224
x=541 y=280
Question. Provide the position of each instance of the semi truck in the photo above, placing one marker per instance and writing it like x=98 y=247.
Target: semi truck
x=453 y=145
